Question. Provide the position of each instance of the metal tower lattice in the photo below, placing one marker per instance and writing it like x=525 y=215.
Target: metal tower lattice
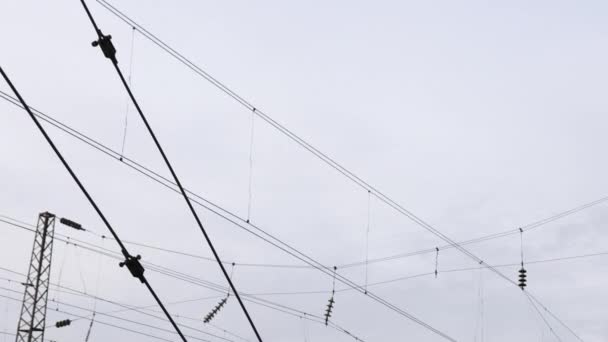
x=33 y=310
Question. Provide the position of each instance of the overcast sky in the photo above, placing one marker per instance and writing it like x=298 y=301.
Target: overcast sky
x=479 y=117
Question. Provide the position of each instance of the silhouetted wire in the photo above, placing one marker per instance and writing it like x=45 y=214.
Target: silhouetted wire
x=208 y=285
x=219 y=289
x=329 y=161
x=261 y=234
x=101 y=40
x=103 y=323
x=160 y=179
x=542 y=316
x=143 y=170
x=332 y=163
x=116 y=256
x=89 y=198
x=258 y=301
x=63 y=303
x=296 y=312
x=127 y=307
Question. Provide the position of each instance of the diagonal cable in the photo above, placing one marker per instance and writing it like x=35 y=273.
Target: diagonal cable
x=109 y=51
x=138 y=272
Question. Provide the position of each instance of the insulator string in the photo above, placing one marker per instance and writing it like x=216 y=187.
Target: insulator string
x=126 y=122
x=331 y=301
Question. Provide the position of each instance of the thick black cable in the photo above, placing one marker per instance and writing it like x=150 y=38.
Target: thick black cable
x=170 y=167
x=89 y=198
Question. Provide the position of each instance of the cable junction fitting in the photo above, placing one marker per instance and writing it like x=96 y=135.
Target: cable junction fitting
x=105 y=43
x=134 y=265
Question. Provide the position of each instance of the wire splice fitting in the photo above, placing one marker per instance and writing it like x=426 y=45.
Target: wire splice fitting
x=134 y=266
x=105 y=43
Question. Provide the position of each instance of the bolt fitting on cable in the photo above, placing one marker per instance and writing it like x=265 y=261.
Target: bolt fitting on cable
x=134 y=266
x=108 y=49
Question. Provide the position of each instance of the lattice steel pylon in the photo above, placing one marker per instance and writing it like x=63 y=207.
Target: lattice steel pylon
x=33 y=309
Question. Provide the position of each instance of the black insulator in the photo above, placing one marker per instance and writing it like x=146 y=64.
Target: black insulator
x=522 y=278
x=63 y=323
x=71 y=223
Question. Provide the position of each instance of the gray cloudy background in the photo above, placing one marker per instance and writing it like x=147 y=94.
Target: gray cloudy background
x=477 y=116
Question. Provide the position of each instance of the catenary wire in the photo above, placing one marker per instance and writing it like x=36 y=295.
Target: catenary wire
x=325 y=158
x=219 y=289
x=254 y=230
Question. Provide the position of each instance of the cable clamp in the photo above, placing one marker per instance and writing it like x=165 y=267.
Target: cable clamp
x=105 y=43
x=134 y=266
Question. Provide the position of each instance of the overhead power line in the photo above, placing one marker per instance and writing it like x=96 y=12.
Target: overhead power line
x=132 y=263
x=527 y=227
x=316 y=152
x=235 y=220
x=231 y=217
x=105 y=44
x=208 y=285
x=297 y=313
x=103 y=323
x=109 y=253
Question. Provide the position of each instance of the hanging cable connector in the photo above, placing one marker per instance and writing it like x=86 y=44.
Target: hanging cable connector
x=436 y=261
x=522 y=271
x=330 y=303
